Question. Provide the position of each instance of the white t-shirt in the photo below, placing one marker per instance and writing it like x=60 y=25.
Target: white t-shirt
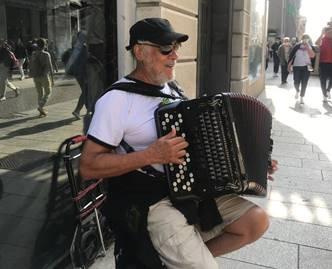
x=122 y=115
x=301 y=57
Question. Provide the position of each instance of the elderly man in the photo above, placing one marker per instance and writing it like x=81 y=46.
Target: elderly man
x=325 y=61
x=283 y=54
x=122 y=141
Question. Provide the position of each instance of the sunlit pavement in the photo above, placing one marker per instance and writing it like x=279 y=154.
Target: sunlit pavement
x=300 y=197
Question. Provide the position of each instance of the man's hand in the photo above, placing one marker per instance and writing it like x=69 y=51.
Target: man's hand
x=168 y=149
x=271 y=169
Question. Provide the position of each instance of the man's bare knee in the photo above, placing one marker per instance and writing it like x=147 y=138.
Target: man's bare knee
x=258 y=223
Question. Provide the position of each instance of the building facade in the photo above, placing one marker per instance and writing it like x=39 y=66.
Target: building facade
x=224 y=52
x=284 y=16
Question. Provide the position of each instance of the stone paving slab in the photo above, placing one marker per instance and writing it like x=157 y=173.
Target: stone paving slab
x=293 y=147
x=290 y=140
x=317 y=165
x=314 y=258
x=301 y=197
x=16 y=183
x=327 y=175
x=305 y=234
x=295 y=212
x=296 y=183
x=268 y=253
x=12 y=257
x=325 y=156
x=327 y=149
x=295 y=172
x=291 y=134
x=288 y=152
x=288 y=161
x=22 y=206
x=235 y=264
x=18 y=231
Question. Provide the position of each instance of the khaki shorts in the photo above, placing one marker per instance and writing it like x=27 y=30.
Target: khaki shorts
x=181 y=246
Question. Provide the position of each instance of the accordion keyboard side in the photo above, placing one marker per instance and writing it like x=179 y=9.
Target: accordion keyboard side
x=211 y=165
x=254 y=125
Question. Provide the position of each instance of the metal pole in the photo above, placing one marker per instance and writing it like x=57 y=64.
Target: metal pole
x=282 y=30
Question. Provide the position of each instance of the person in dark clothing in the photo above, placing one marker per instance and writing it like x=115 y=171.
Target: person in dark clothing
x=300 y=62
x=283 y=54
x=75 y=60
x=276 y=62
x=7 y=61
x=21 y=54
x=129 y=117
x=325 y=61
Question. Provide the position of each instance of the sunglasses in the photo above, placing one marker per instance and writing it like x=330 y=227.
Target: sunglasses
x=164 y=49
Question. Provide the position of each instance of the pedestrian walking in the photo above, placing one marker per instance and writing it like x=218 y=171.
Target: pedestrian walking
x=300 y=62
x=7 y=61
x=325 y=61
x=75 y=60
x=276 y=62
x=21 y=55
x=283 y=54
x=41 y=71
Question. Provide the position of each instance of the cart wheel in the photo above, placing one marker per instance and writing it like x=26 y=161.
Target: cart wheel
x=89 y=245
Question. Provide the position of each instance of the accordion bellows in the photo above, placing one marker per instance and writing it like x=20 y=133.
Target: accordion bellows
x=229 y=151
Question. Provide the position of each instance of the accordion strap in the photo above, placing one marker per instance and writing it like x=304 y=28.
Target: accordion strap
x=145 y=89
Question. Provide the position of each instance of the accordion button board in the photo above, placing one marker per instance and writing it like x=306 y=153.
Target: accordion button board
x=217 y=134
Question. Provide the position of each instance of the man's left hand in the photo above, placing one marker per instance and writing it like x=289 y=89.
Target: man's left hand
x=271 y=169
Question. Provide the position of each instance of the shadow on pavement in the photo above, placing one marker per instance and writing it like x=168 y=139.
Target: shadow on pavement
x=54 y=238
x=38 y=128
x=18 y=121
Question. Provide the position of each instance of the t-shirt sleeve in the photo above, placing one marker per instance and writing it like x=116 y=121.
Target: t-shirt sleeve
x=108 y=122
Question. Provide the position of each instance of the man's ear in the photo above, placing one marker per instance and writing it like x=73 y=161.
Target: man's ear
x=138 y=52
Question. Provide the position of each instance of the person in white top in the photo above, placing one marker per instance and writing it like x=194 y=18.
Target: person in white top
x=300 y=63
x=126 y=116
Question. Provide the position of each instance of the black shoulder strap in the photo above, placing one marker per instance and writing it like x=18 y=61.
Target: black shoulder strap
x=176 y=87
x=138 y=89
x=148 y=90
x=150 y=170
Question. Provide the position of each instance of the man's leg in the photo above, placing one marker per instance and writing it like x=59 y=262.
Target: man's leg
x=178 y=243
x=247 y=229
x=323 y=78
x=46 y=84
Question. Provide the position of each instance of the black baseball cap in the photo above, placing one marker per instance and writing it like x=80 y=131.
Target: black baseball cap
x=155 y=30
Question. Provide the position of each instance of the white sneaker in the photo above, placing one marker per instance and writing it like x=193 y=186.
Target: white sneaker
x=301 y=101
x=3 y=98
x=328 y=95
x=297 y=95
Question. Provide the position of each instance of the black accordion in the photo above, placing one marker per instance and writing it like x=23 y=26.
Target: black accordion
x=229 y=150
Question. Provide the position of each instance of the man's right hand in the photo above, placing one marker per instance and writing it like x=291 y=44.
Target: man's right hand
x=168 y=149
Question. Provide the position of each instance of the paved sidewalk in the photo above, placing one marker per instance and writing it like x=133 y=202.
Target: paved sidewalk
x=34 y=223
